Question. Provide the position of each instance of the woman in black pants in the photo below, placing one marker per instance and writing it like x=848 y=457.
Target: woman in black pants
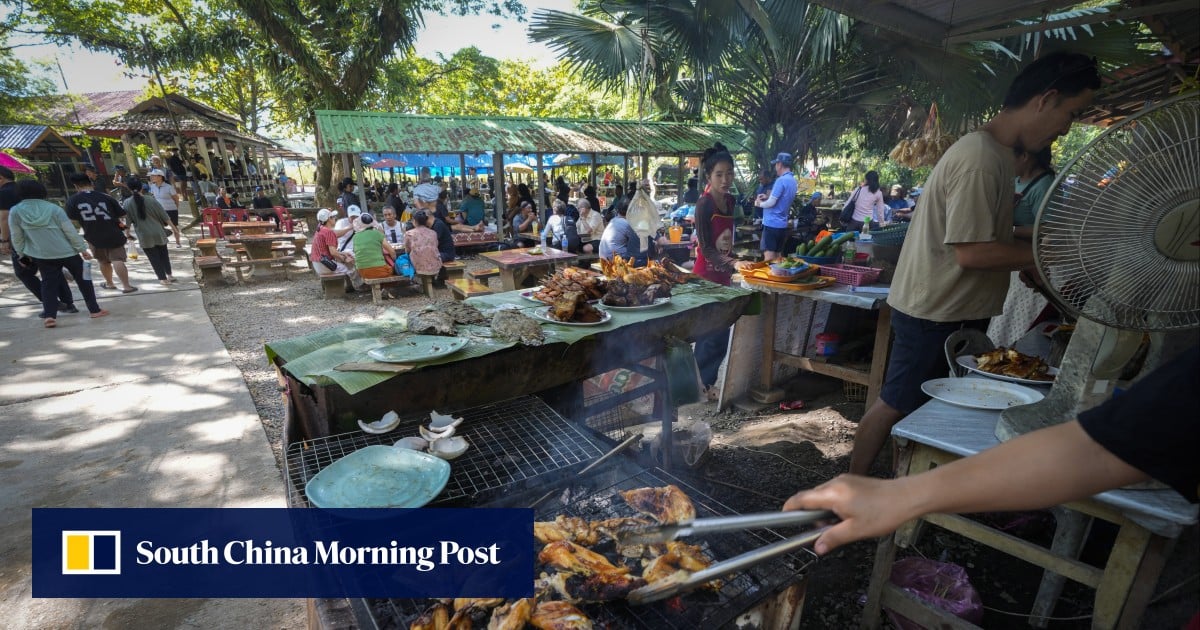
x=151 y=223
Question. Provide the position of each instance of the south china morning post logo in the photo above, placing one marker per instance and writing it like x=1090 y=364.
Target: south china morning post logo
x=87 y=552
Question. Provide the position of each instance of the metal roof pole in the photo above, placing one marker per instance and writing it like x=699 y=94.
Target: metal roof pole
x=679 y=187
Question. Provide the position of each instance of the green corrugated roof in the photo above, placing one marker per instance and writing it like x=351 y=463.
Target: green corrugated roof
x=377 y=132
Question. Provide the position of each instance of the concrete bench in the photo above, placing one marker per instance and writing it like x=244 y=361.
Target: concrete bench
x=210 y=267
x=377 y=285
x=464 y=288
x=483 y=274
x=207 y=246
x=333 y=283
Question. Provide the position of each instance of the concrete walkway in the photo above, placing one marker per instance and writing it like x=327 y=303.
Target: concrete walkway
x=143 y=408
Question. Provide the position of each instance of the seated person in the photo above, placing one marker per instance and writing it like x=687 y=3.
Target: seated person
x=524 y=220
x=894 y=201
x=690 y=197
x=346 y=227
x=620 y=239
x=325 y=244
x=372 y=251
x=264 y=207
x=905 y=214
x=590 y=226
x=421 y=244
x=470 y=215
x=392 y=228
x=227 y=200
x=555 y=231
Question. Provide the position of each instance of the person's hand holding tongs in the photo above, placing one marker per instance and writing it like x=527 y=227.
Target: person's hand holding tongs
x=682 y=582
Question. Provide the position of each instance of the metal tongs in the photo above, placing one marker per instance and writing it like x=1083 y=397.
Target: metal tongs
x=682 y=582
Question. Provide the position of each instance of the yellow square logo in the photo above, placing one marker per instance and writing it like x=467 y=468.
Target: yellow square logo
x=91 y=552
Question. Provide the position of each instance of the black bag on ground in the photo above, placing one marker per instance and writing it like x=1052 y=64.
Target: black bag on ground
x=848 y=210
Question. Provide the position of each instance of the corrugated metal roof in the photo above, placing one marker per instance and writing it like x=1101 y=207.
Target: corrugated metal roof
x=192 y=125
x=376 y=132
x=34 y=140
x=71 y=112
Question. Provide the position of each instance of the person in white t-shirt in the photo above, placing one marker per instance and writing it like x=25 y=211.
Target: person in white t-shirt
x=167 y=197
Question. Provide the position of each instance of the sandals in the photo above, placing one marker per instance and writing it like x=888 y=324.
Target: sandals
x=50 y=322
x=110 y=287
x=99 y=313
x=129 y=290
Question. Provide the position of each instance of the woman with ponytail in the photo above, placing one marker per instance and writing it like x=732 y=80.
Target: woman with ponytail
x=151 y=222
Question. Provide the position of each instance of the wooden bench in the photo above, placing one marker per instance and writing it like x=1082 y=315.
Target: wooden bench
x=210 y=267
x=483 y=274
x=464 y=288
x=454 y=269
x=207 y=246
x=245 y=262
x=377 y=285
x=333 y=283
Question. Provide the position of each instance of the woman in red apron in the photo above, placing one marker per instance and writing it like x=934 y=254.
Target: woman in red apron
x=714 y=260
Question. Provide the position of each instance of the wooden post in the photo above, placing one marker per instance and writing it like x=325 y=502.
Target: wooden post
x=362 y=188
x=625 y=165
x=501 y=204
x=462 y=176
x=543 y=203
x=224 y=159
x=130 y=158
x=154 y=143
x=679 y=184
x=592 y=176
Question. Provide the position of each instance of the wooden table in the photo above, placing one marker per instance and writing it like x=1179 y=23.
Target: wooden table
x=837 y=294
x=1149 y=521
x=309 y=215
x=259 y=251
x=474 y=239
x=514 y=264
x=246 y=227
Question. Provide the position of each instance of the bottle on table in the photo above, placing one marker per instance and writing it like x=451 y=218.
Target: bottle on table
x=848 y=251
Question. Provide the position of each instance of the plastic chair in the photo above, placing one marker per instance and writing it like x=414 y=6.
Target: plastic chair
x=286 y=222
x=211 y=219
x=962 y=342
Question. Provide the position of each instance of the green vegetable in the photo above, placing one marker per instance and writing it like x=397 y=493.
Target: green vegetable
x=843 y=238
x=825 y=241
x=803 y=247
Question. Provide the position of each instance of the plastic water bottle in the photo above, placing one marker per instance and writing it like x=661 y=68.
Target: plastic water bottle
x=87 y=271
x=848 y=251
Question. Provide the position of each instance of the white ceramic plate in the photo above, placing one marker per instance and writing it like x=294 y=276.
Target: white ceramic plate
x=528 y=295
x=970 y=363
x=980 y=393
x=655 y=304
x=544 y=315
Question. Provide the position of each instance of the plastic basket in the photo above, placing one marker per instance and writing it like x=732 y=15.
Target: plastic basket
x=854 y=392
x=891 y=236
x=820 y=260
x=852 y=275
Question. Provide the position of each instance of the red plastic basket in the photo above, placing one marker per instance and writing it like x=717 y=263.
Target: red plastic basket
x=852 y=275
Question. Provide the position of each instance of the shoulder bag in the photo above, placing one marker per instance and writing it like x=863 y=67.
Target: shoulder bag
x=848 y=210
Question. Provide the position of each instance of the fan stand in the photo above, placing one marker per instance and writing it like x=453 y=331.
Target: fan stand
x=1093 y=362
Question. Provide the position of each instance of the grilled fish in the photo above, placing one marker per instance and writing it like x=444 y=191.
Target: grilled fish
x=666 y=505
x=512 y=616
x=559 y=616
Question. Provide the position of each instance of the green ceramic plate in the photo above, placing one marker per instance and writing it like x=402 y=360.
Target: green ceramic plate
x=379 y=477
x=418 y=348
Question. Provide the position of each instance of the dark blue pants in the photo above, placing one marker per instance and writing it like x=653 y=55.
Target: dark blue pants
x=52 y=280
x=29 y=277
x=710 y=352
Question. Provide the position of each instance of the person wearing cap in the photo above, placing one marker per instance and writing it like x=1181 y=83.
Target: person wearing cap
x=776 y=207
x=167 y=197
x=347 y=226
x=325 y=246
x=470 y=217
x=264 y=207
x=372 y=251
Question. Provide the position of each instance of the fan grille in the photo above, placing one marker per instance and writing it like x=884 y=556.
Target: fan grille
x=1096 y=232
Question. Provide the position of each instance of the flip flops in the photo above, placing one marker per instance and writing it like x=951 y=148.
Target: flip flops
x=129 y=290
x=110 y=287
x=50 y=322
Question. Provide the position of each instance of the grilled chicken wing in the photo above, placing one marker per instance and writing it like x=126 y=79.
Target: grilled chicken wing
x=569 y=528
x=512 y=616
x=680 y=558
x=602 y=587
x=559 y=616
x=666 y=505
x=437 y=617
x=567 y=556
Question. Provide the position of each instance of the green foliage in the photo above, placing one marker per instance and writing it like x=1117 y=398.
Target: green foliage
x=18 y=83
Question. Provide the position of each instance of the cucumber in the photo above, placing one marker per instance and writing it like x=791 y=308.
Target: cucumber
x=803 y=248
x=811 y=244
x=843 y=238
x=823 y=242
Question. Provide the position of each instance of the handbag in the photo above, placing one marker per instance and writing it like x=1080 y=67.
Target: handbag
x=404 y=267
x=848 y=210
x=329 y=262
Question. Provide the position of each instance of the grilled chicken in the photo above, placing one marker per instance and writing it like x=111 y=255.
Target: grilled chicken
x=602 y=587
x=437 y=617
x=1009 y=362
x=512 y=616
x=570 y=528
x=471 y=611
x=666 y=505
x=680 y=558
x=477 y=602
x=565 y=555
x=559 y=616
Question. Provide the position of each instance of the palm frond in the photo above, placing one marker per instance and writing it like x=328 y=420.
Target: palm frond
x=602 y=52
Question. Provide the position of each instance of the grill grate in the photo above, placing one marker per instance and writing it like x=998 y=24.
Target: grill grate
x=512 y=443
x=697 y=609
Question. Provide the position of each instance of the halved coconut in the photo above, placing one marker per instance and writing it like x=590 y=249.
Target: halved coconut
x=388 y=422
x=448 y=448
x=412 y=443
x=439 y=422
x=431 y=435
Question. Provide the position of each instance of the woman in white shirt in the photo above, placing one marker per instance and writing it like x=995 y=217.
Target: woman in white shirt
x=591 y=224
x=868 y=204
x=555 y=229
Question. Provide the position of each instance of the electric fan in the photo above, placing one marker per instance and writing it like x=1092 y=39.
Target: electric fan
x=1117 y=244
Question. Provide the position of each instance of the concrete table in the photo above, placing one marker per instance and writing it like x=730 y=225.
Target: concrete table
x=1149 y=521
x=837 y=294
x=514 y=264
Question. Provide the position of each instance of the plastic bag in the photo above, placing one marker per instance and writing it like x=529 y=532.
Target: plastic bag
x=643 y=216
x=940 y=584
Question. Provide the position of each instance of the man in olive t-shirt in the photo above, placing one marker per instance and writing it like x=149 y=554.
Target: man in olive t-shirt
x=953 y=271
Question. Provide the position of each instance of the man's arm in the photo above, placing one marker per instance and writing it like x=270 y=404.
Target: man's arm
x=994 y=255
x=1039 y=469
